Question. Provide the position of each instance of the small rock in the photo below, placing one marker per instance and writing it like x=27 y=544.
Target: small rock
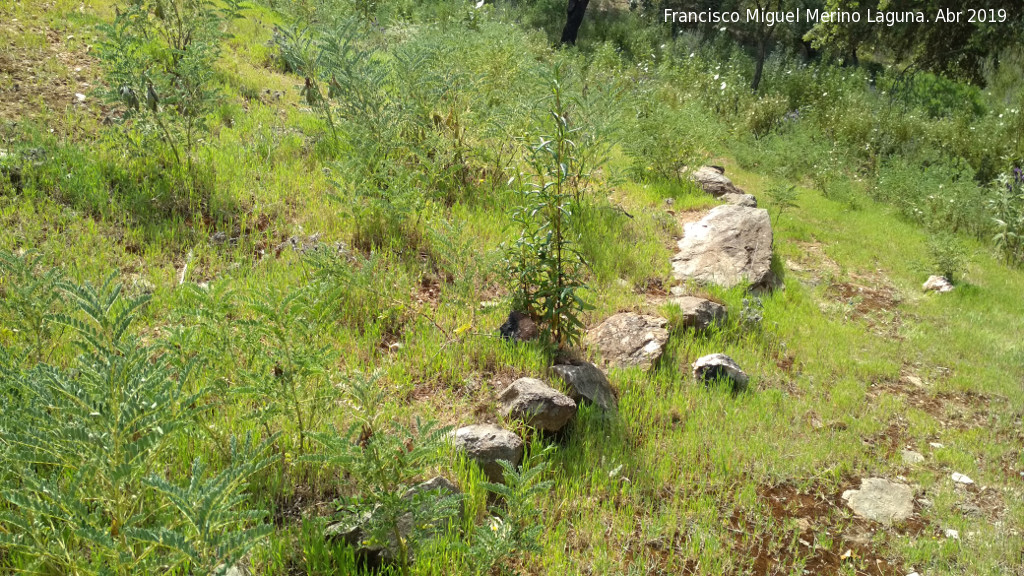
x=913 y=574
x=79 y=97
x=736 y=199
x=880 y=500
x=910 y=457
x=627 y=339
x=699 y=313
x=537 y=404
x=937 y=284
x=952 y=534
x=936 y=445
x=961 y=478
x=487 y=444
x=968 y=509
x=587 y=383
x=715 y=366
x=519 y=328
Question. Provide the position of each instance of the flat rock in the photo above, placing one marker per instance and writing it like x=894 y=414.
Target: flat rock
x=486 y=444
x=537 y=404
x=747 y=200
x=699 y=313
x=627 y=339
x=937 y=284
x=881 y=500
x=910 y=457
x=587 y=383
x=729 y=246
x=716 y=366
x=712 y=179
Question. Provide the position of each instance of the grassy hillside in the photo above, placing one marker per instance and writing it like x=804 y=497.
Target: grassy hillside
x=321 y=267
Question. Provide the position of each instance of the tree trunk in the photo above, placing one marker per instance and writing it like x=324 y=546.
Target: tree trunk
x=762 y=51
x=573 y=19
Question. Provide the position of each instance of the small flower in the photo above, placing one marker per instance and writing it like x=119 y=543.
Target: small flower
x=723 y=86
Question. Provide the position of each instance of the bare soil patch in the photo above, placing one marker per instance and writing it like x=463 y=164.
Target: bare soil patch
x=829 y=539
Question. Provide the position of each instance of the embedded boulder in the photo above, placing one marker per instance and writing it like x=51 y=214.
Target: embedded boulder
x=729 y=246
x=487 y=444
x=719 y=366
x=712 y=179
x=880 y=500
x=537 y=404
x=699 y=313
x=628 y=339
x=587 y=383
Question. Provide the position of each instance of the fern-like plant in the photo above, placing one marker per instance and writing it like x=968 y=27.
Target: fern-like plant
x=82 y=447
x=385 y=459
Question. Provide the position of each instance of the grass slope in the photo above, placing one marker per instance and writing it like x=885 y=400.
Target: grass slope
x=850 y=365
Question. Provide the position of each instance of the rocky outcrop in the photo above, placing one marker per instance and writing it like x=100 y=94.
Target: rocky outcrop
x=627 y=339
x=729 y=246
x=536 y=404
x=881 y=500
x=699 y=313
x=487 y=444
x=587 y=383
x=719 y=366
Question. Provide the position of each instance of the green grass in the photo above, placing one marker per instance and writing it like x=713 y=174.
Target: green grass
x=678 y=481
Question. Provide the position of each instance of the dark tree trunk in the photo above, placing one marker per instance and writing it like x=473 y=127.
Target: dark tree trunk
x=573 y=19
x=762 y=52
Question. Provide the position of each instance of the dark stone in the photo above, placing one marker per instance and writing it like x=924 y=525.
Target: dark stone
x=519 y=328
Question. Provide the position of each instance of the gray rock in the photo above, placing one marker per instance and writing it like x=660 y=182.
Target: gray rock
x=699 y=313
x=627 y=339
x=881 y=500
x=729 y=246
x=714 y=366
x=712 y=179
x=937 y=284
x=486 y=444
x=747 y=200
x=537 y=404
x=910 y=457
x=587 y=383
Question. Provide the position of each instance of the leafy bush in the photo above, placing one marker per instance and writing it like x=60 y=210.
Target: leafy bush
x=158 y=58
x=544 y=265
x=948 y=256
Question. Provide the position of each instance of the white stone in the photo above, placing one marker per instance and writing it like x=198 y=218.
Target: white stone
x=961 y=478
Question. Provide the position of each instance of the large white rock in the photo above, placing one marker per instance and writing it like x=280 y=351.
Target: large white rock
x=881 y=500
x=729 y=246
